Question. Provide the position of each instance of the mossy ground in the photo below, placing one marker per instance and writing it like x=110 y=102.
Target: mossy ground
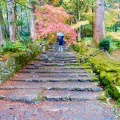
x=103 y=65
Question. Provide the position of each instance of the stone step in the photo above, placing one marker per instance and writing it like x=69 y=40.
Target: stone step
x=65 y=61
x=54 y=64
x=41 y=58
x=33 y=95
x=74 y=86
x=66 y=95
x=43 y=64
x=65 y=56
x=32 y=78
x=56 y=56
x=23 y=95
x=57 y=61
x=61 y=53
x=54 y=75
x=72 y=75
x=53 y=70
x=37 y=66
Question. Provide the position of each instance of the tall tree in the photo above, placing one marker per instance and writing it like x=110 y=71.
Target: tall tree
x=32 y=19
x=33 y=4
x=1 y=34
x=11 y=19
x=99 y=25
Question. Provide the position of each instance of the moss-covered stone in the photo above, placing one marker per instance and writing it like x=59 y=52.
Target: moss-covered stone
x=116 y=92
x=102 y=75
x=16 y=61
x=95 y=79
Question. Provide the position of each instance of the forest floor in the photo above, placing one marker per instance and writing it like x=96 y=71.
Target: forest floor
x=54 y=87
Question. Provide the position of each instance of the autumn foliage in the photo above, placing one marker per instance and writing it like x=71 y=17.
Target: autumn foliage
x=50 y=20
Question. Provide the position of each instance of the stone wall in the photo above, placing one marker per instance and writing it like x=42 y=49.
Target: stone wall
x=14 y=63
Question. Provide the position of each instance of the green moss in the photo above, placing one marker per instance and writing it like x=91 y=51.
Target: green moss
x=110 y=78
x=39 y=97
x=89 y=70
x=95 y=79
x=106 y=68
x=18 y=60
x=70 y=80
x=118 y=88
x=103 y=98
x=86 y=66
x=102 y=75
x=118 y=101
x=118 y=80
x=116 y=92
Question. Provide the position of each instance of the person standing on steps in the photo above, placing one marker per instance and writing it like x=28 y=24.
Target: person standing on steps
x=60 y=42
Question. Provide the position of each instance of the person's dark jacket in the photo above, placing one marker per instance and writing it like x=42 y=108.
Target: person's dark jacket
x=61 y=40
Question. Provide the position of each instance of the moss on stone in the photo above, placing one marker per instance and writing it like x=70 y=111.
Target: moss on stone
x=102 y=75
x=116 y=92
x=39 y=97
x=95 y=79
x=16 y=61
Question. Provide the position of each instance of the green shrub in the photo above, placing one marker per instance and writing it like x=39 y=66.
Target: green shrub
x=15 y=47
x=76 y=48
x=104 y=44
x=18 y=46
x=8 y=47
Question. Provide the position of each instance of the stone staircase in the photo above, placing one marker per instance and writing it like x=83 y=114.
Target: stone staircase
x=53 y=77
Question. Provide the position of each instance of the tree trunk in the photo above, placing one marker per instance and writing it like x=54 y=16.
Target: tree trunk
x=21 y=26
x=11 y=19
x=16 y=26
x=28 y=23
x=92 y=20
x=1 y=36
x=99 y=26
x=79 y=34
x=1 y=33
x=7 y=25
x=32 y=25
x=79 y=29
x=32 y=18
